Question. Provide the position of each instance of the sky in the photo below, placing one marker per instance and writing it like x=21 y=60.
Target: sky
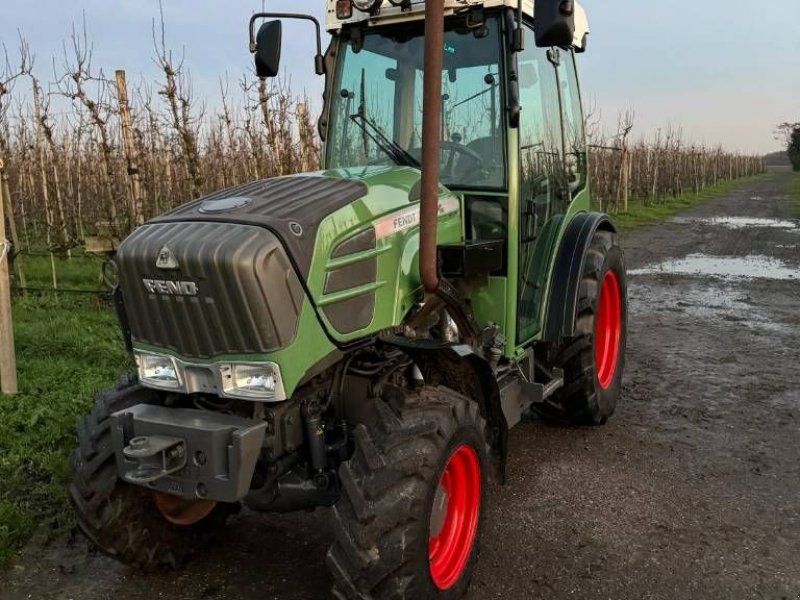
x=724 y=71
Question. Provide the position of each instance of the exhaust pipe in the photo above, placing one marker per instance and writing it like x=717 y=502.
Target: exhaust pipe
x=431 y=132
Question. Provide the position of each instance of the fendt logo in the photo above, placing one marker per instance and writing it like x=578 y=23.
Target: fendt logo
x=166 y=259
x=170 y=288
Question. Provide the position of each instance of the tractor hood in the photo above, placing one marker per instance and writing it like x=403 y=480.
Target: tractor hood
x=293 y=207
x=228 y=274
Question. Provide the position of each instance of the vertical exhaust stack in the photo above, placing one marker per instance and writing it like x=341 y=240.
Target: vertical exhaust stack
x=431 y=127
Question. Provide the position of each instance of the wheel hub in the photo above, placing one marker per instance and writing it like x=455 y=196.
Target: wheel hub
x=179 y=511
x=454 y=517
x=608 y=330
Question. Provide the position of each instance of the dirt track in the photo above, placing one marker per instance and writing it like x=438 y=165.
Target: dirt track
x=691 y=491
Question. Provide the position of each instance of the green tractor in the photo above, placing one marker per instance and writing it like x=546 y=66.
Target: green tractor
x=364 y=337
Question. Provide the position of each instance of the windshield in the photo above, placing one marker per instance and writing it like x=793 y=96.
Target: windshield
x=377 y=104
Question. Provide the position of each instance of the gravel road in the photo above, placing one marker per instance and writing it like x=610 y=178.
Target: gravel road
x=691 y=491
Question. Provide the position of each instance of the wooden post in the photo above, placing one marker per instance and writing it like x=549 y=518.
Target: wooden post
x=136 y=200
x=5 y=193
x=8 y=359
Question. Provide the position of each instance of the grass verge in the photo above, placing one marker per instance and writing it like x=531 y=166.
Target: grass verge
x=794 y=194
x=640 y=214
x=68 y=348
x=81 y=272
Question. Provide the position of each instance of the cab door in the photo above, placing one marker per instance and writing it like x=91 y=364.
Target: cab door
x=552 y=169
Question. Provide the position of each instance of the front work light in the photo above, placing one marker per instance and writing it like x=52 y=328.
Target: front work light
x=251 y=381
x=366 y=6
x=158 y=370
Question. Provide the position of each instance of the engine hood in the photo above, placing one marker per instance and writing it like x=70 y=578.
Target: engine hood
x=293 y=207
x=240 y=271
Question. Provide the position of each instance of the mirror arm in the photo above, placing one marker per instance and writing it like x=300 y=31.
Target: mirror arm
x=518 y=45
x=513 y=96
x=319 y=59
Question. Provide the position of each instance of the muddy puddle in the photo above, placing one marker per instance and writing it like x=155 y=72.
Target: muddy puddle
x=742 y=222
x=725 y=303
x=723 y=267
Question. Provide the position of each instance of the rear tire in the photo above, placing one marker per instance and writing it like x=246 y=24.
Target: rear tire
x=396 y=536
x=122 y=520
x=593 y=361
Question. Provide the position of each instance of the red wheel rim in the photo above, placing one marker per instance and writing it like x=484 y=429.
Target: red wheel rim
x=457 y=506
x=182 y=512
x=608 y=330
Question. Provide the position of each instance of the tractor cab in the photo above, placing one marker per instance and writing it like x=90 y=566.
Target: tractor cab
x=511 y=138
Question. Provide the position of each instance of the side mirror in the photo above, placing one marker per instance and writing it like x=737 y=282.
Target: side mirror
x=554 y=23
x=268 y=49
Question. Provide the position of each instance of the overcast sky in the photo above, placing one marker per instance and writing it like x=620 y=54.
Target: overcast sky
x=726 y=71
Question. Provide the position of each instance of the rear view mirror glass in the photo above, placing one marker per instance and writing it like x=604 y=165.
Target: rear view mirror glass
x=268 y=49
x=554 y=23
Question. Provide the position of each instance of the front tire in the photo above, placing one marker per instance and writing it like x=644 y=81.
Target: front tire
x=408 y=522
x=594 y=359
x=126 y=521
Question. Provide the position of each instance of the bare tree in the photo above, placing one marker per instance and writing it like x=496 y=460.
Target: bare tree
x=177 y=92
x=73 y=84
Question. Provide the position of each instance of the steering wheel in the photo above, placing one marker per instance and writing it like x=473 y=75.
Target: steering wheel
x=456 y=148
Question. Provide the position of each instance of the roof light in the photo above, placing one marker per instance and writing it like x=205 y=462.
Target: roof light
x=366 y=6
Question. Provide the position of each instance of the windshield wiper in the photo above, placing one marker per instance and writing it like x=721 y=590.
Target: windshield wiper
x=394 y=150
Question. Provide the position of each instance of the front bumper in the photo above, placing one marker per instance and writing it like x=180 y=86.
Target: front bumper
x=195 y=454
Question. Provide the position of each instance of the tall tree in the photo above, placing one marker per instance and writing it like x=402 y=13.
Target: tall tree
x=790 y=132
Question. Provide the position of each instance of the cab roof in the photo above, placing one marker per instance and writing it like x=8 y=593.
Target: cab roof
x=392 y=14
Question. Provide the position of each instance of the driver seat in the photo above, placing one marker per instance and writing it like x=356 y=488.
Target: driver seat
x=488 y=148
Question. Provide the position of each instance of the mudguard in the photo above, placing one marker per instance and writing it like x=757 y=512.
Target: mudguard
x=561 y=307
x=459 y=368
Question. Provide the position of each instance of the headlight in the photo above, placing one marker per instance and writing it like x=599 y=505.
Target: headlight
x=158 y=370
x=366 y=6
x=251 y=381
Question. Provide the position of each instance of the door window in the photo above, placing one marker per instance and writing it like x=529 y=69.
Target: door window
x=574 y=135
x=552 y=169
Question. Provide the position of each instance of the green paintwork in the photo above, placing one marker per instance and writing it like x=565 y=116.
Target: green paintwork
x=398 y=286
x=512 y=285
x=489 y=303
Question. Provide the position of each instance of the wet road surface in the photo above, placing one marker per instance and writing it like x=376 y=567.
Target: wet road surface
x=691 y=491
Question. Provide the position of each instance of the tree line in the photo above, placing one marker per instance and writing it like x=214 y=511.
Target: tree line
x=115 y=154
